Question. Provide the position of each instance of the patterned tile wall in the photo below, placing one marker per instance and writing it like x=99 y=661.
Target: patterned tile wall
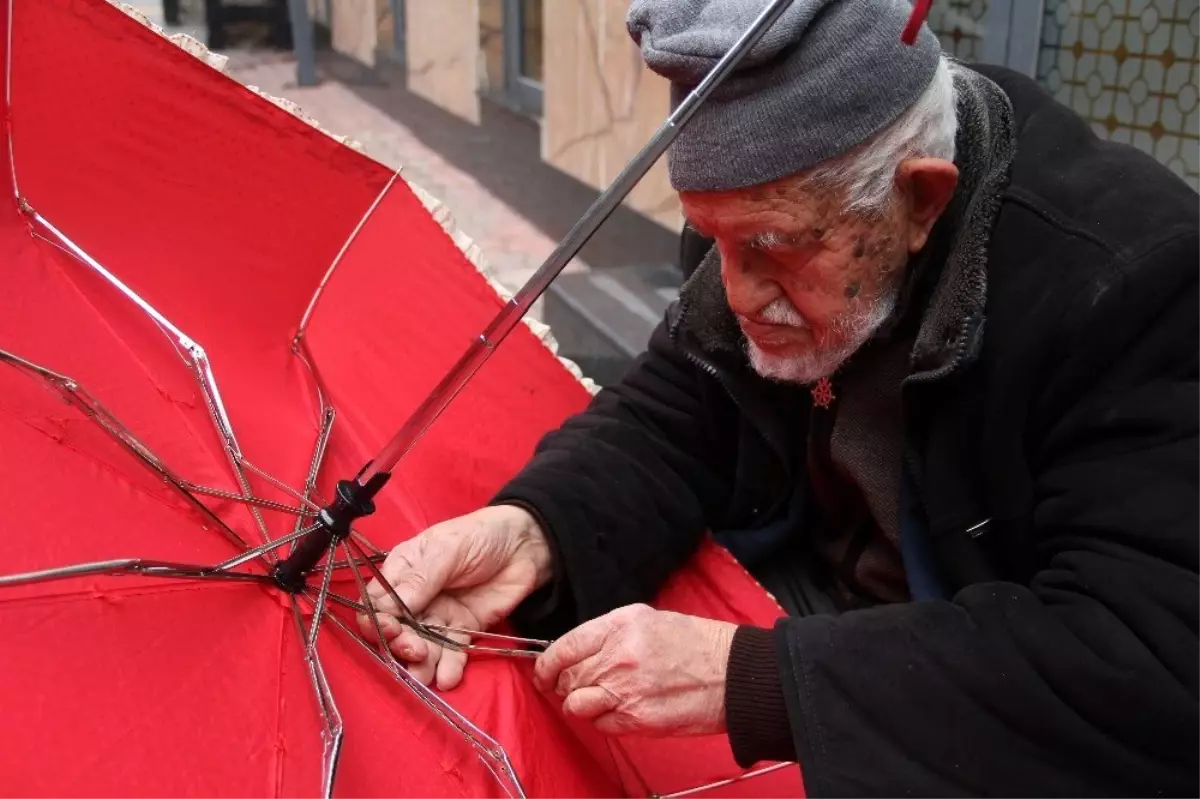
x=1130 y=68
x=959 y=26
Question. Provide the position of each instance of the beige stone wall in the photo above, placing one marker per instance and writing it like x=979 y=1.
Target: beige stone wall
x=385 y=27
x=355 y=29
x=491 y=45
x=442 y=53
x=319 y=11
x=601 y=103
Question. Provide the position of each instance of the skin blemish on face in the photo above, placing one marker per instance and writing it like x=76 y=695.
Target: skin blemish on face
x=859 y=247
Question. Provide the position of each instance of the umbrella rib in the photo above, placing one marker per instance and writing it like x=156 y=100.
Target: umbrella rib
x=312 y=304
x=310 y=485
x=199 y=362
x=322 y=597
x=261 y=550
x=275 y=481
x=758 y=772
x=489 y=752
x=432 y=633
x=444 y=631
x=334 y=731
x=157 y=568
x=207 y=381
x=83 y=400
x=146 y=568
x=12 y=158
x=486 y=748
x=328 y=415
x=268 y=504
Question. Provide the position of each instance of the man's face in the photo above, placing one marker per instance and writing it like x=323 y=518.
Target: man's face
x=809 y=283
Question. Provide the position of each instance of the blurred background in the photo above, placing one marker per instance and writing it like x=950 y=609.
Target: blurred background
x=515 y=113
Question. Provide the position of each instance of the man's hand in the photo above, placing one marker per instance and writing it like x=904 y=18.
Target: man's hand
x=642 y=671
x=469 y=573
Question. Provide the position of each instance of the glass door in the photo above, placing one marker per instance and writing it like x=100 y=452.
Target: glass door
x=389 y=27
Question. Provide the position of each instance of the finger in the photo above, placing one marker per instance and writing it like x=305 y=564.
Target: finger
x=590 y=702
x=400 y=638
x=452 y=665
x=585 y=672
x=454 y=662
x=584 y=641
x=426 y=668
x=416 y=569
x=612 y=723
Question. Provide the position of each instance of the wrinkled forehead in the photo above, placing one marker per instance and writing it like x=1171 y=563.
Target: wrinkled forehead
x=771 y=213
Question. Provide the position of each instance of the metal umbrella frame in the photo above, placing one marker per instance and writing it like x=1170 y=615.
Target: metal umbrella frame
x=323 y=540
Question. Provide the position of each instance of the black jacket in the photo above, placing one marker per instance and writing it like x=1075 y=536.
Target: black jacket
x=1066 y=660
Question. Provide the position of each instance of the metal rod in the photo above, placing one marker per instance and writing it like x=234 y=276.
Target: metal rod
x=321 y=598
x=145 y=568
x=334 y=732
x=447 y=631
x=490 y=753
x=251 y=554
x=312 y=304
x=269 y=504
x=723 y=783
x=79 y=397
x=482 y=348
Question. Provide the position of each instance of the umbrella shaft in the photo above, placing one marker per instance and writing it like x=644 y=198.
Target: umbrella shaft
x=482 y=348
x=354 y=501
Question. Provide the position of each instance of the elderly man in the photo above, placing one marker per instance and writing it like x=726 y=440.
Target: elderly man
x=935 y=382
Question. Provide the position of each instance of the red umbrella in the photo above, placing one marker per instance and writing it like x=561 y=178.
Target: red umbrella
x=183 y=378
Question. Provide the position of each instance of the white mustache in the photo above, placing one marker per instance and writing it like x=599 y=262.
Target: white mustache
x=781 y=312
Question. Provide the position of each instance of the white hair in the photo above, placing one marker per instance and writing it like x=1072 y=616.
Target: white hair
x=926 y=129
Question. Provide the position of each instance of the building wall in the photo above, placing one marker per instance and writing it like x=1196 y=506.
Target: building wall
x=1130 y=69
x=442 y=52
x=959 y=25
x=354 y=29
x=601 y=102
x=491 y=45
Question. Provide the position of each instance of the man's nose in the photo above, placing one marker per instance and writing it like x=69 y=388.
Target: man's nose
x=748 y=287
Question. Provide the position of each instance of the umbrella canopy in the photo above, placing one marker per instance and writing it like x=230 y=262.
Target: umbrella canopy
x=213 y=310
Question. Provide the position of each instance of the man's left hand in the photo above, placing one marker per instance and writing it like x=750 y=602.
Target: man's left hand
x=642 y=671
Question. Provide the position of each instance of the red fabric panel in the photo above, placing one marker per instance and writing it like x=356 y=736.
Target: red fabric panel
x=398 y=748
x=136 y=692
x=220 y=209
x=401 y=307
x=224 y=212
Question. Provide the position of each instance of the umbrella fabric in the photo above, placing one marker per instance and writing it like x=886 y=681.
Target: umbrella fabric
x=224 y=212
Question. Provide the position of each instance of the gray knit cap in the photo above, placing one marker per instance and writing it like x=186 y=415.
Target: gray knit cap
x=827 y=76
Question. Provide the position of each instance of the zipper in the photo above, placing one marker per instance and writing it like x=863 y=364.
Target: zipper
x=909 y=458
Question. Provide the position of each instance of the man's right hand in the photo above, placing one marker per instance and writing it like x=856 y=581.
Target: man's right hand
x=469 y=572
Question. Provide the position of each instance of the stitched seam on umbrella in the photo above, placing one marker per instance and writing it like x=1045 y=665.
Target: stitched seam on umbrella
x=106 y=466
x=196 y=436
x=277 y=744
x=123 y=593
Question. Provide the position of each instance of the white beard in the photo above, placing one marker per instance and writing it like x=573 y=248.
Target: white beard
x=854 y=329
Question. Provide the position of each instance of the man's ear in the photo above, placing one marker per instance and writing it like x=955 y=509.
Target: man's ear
x=927 y=184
